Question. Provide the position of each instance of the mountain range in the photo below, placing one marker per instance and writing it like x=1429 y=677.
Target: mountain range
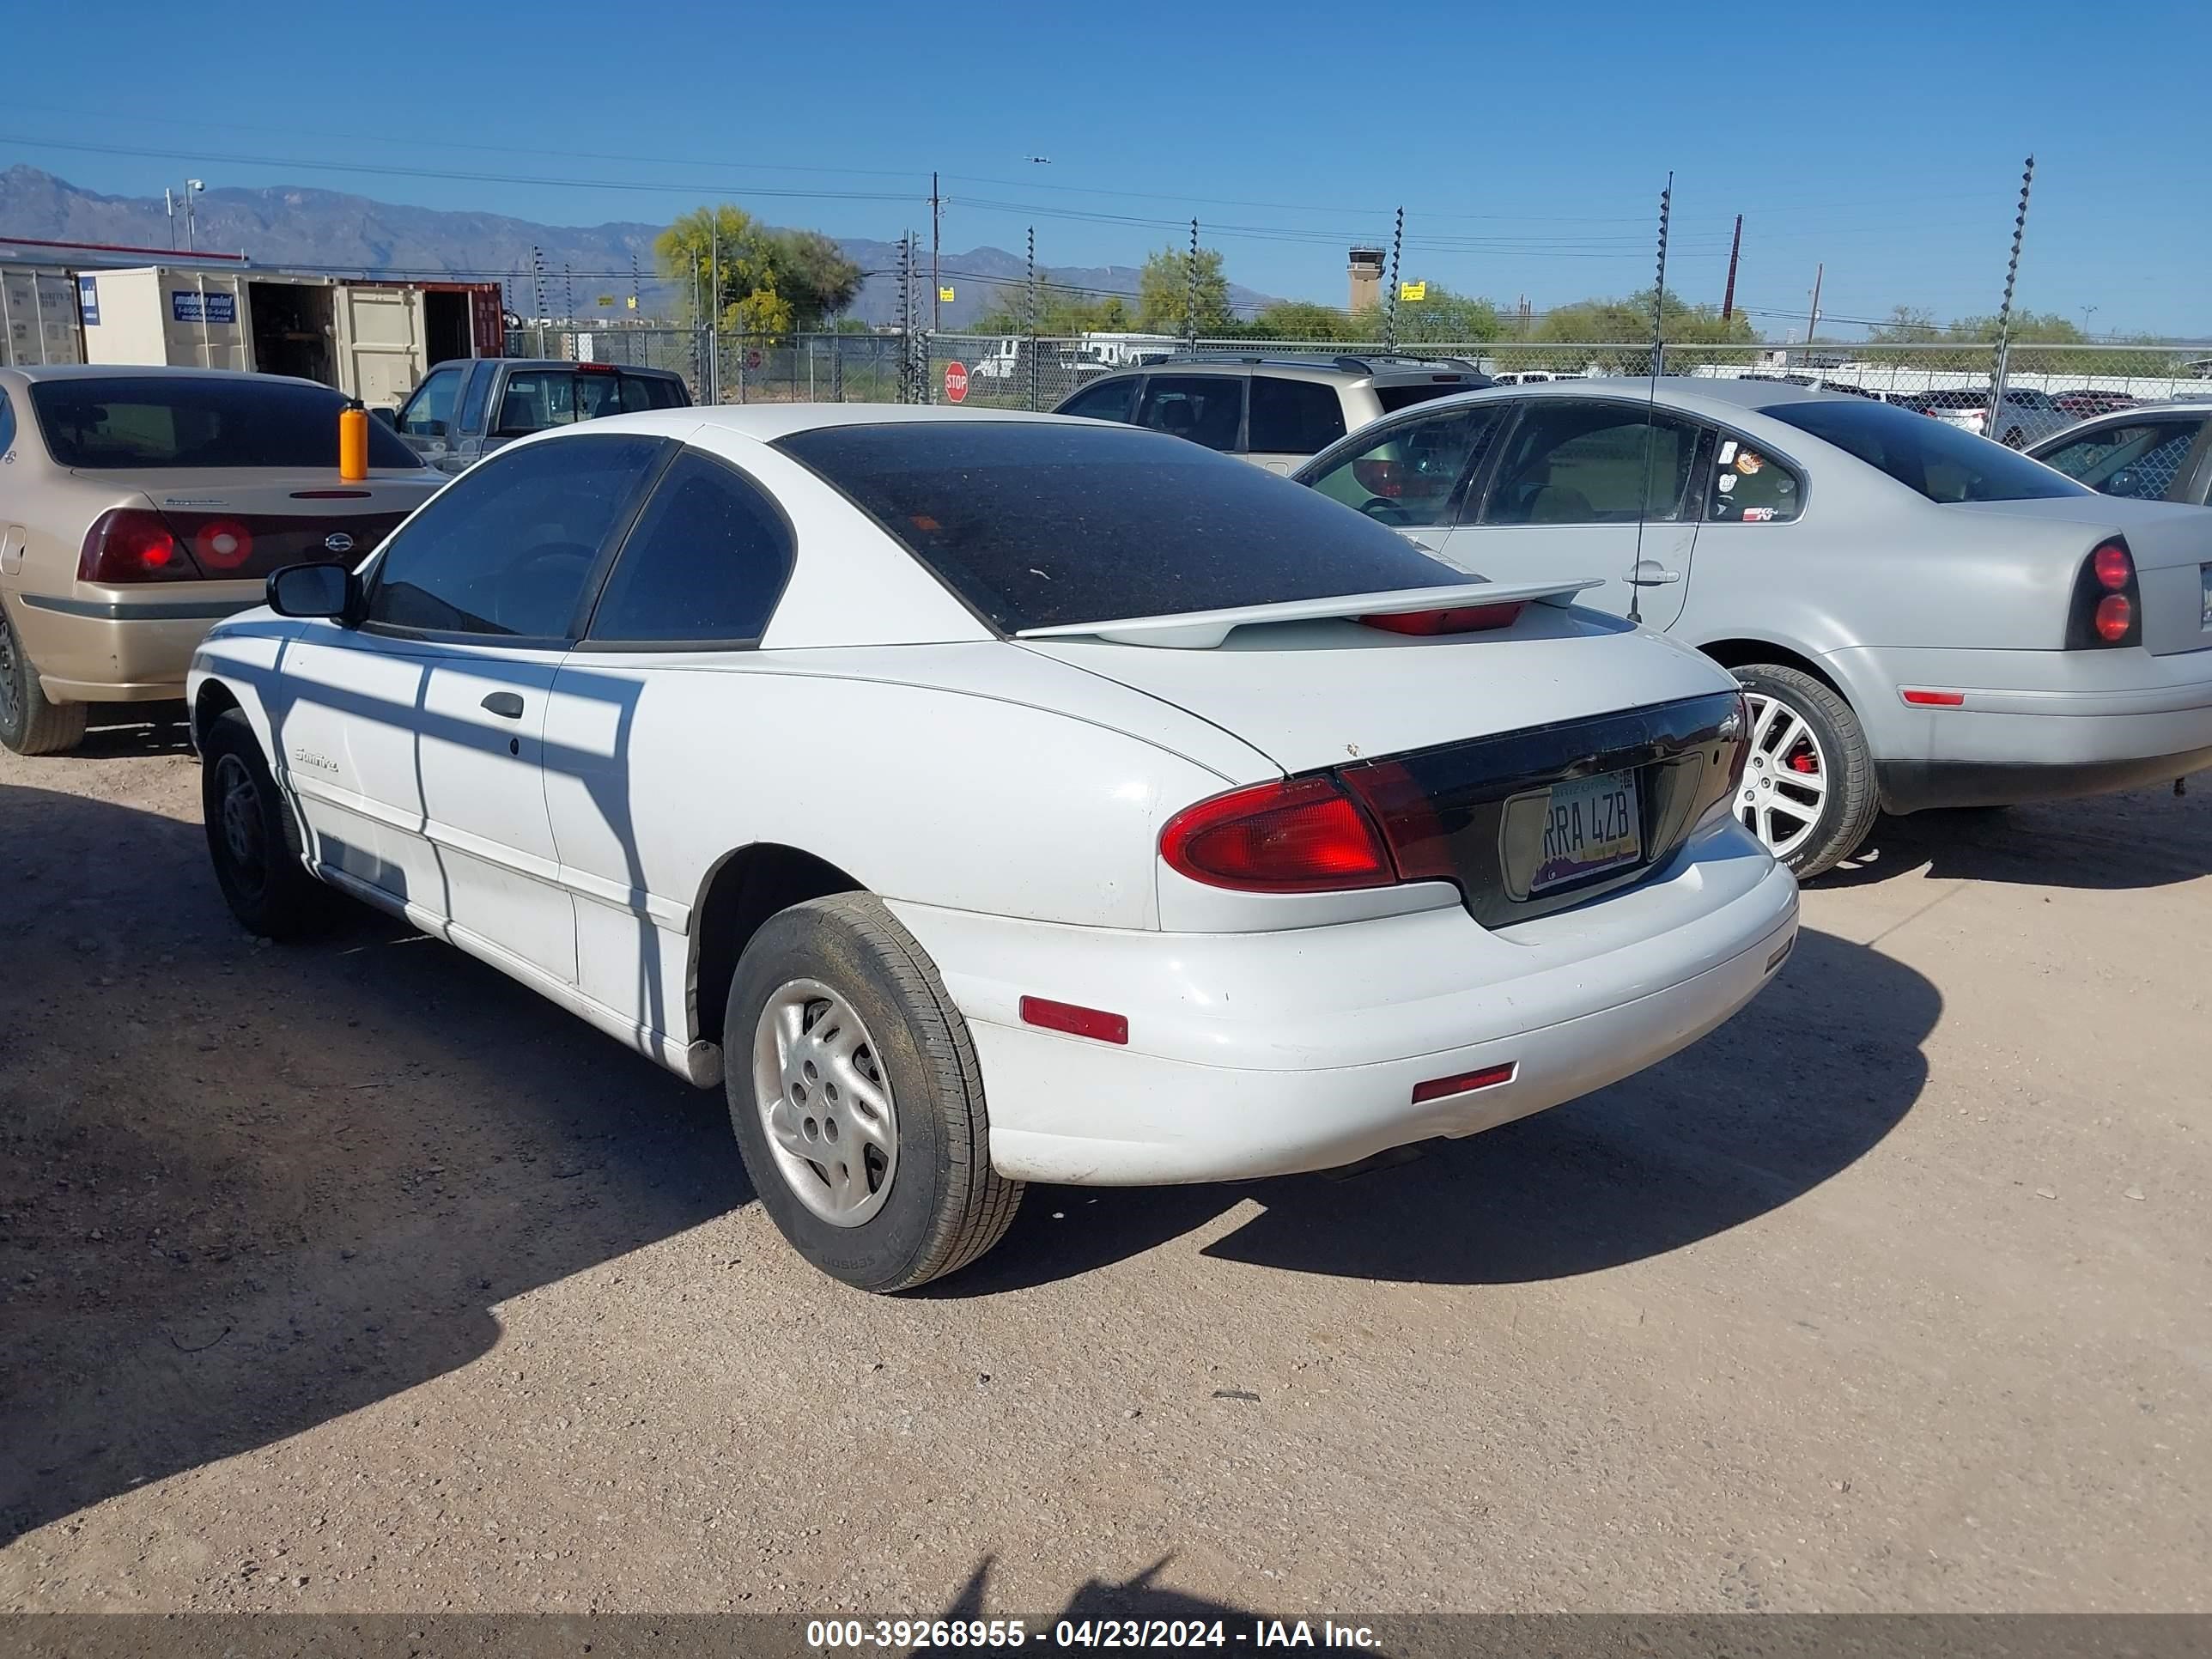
x=299 y=227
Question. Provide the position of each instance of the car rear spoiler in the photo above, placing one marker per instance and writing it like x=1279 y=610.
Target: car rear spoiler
x=1200 y=630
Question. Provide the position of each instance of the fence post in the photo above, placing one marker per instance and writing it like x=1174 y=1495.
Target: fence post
x=1990 y=429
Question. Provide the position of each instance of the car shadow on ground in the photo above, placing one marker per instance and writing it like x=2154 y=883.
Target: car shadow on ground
x=135 y=728
x=244 y=1189
x=2145 y=838
x=1794 y=1089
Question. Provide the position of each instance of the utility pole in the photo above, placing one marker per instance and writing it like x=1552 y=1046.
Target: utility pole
x=632 y=285
x=1390 y=305
x=1736 y=247
x=1812 y=317
x=2004 y=311
x=169 y=201
x=936 y=283
x=192 y=187
x=537 y=284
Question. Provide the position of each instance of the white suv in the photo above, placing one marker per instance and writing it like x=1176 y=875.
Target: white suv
x=1272 y=411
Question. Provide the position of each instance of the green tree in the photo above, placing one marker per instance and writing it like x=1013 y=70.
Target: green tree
x=1060 y=312
x=1300 y=319
x=1621 y=328
x=1163 y=293
x=769 y=281
x=1443 y=315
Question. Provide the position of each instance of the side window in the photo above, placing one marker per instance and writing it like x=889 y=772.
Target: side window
x=1205 y=409
x=7 y=424
x=1411 y=474
x=1293 y=418
x=509 y=549
x=644 y=392
x=1109 y=400
x=1598 y=463
x=472 y=404
x=534 y=400
x=708 y=561
x=1751 y=487
x=429 y=412
x=2140 y=459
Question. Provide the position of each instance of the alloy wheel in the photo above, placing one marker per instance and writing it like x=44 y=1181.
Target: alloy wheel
x=10 y=699
x=1785 y=778
x=825 y=1102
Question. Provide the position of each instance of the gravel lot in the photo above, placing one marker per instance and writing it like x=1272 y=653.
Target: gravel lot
x=354 y=1278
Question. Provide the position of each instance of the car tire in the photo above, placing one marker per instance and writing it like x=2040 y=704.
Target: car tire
x=253 y=838
x=1802 y=728
x=885 y=1183
x=2015 y=438
x=29 y=723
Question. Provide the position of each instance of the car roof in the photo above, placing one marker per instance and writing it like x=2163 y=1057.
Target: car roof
x=766 y=422
x=149 y=371
x=563 y=362
x=1695 y=393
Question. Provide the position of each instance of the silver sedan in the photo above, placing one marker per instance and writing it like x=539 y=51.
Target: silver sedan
x=1922 y=618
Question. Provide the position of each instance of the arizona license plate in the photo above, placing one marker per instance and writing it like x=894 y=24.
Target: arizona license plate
x=1591 y=826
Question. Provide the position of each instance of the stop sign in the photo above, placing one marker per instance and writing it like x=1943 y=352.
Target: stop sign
x=955 y=382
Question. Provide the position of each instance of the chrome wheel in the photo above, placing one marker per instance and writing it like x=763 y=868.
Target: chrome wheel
x=1785 y=778
x=242 y=838
x=825 y=1102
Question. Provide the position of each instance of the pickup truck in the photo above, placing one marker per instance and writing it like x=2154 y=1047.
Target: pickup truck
x=466 y=409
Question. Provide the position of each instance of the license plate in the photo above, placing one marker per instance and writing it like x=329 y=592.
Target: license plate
x=1591 y=826
x=2205 y=572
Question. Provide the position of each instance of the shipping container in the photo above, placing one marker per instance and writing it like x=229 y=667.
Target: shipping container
x=38 y=316
x=373 y=340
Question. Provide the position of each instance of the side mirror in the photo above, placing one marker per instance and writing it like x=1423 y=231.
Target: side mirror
x=325 y=591
x=389 y=417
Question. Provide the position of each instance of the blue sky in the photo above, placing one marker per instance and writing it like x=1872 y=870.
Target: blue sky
x=1528 y=144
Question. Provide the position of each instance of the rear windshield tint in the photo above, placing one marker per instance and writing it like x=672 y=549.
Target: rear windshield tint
x=181 y=420
x=1038 y=526
x=1940 y=460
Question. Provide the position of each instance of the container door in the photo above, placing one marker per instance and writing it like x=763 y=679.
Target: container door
x=487 y=326
x=60 y=337
x=381 y=347
x=203 y=320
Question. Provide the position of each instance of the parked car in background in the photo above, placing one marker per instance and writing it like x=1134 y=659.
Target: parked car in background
x=2081 y=405
x=1415 y=856
x=139 y=505
x=2153 y=453
x=1921 y=618
x=2027 y=415
x=464 y=410
x=1272 y=411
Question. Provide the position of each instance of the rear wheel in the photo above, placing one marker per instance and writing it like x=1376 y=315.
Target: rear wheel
x=856 y=1098
x=253 y=840
x=1808 y=790
x=29 y=724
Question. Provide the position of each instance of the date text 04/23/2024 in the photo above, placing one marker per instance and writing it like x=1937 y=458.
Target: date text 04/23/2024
x=898 y=1634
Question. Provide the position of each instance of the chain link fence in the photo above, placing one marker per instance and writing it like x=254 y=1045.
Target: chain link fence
x=2046 y=387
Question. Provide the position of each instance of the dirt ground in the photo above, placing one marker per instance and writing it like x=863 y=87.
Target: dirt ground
x=352 y=1277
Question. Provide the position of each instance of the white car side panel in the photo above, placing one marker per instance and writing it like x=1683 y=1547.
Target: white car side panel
x=654 y=773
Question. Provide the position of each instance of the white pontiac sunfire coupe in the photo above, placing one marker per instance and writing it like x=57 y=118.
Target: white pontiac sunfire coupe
x=984 y=798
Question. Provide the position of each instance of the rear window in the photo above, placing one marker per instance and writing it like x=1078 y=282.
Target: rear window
x=162 y=421
x=1039 y=525
x=1395 y=397
x=537 y=399
x=1937 y=459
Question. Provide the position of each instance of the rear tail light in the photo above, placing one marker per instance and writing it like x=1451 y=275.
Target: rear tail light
x=222 y=545
x=2107 y=608
x=133 y=545
x=1295 y=836
x=1459 y=619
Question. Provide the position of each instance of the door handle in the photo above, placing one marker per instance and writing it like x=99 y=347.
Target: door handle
x=1647 y=574
x=504 y=704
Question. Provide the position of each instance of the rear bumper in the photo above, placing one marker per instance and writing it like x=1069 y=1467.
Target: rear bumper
x=2032 y=725
x=1255 y=1054
x=101 y=649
